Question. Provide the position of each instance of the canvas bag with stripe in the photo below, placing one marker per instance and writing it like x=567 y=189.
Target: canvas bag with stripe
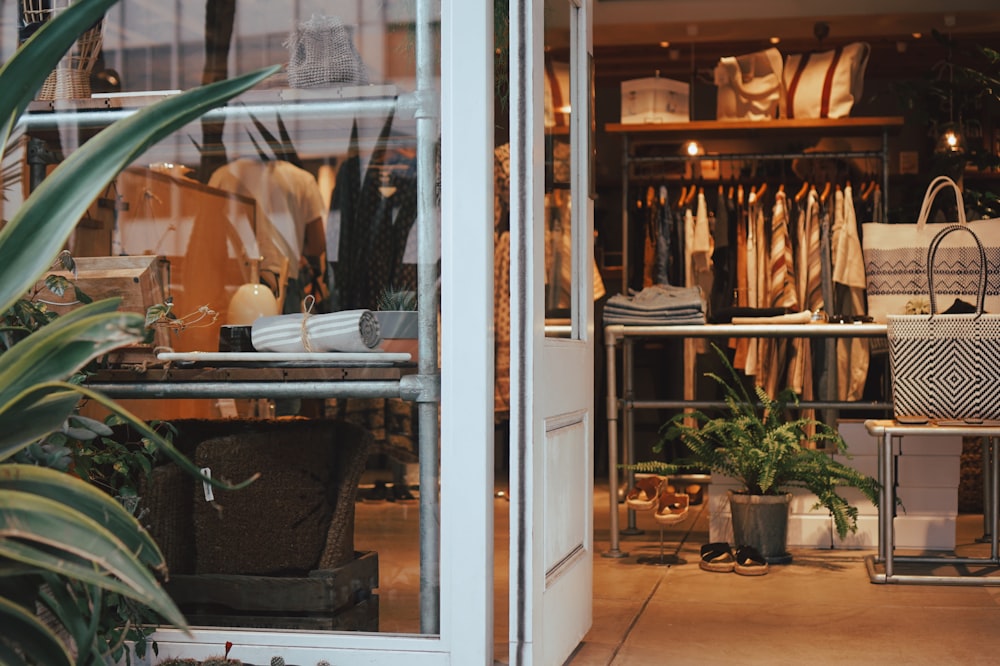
x=825 y=84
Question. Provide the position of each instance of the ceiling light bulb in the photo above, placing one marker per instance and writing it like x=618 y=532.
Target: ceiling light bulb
x=693 y=148
x=774 y=40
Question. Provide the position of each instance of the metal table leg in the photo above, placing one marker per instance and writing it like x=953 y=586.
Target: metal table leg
x=612 y=409
x=628 y=436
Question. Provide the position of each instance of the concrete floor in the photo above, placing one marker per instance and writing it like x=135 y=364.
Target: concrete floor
x=820 y=609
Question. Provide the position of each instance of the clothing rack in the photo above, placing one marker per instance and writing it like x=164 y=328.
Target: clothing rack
x=801 y=129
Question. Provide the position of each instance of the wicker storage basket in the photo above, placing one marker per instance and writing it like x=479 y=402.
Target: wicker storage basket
x=71 y=77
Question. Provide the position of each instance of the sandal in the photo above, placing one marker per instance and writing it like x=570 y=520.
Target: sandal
x=644 y=493
x=749 y=562
x=717 y=557
x=671 y=507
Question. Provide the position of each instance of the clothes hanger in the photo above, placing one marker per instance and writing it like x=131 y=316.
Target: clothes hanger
x=690 y=195
x=826 y=192
x=802 y=192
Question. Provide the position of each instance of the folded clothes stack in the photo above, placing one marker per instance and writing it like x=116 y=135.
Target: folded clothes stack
x=659 y=304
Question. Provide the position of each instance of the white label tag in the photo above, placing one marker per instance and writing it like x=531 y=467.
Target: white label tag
x=209 y=495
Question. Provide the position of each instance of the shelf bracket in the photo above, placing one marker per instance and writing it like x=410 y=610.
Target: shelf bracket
x=420 y=388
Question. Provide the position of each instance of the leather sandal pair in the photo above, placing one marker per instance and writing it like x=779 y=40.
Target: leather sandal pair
x=720 y=558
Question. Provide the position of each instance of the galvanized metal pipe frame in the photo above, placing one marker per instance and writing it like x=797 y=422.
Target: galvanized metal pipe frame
x=890 y=432
x=615 y=333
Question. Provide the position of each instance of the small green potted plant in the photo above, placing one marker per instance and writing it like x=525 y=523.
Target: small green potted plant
x=755 y=441
x=397 y=321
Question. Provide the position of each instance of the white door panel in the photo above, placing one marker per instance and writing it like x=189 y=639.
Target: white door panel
x=552 y=391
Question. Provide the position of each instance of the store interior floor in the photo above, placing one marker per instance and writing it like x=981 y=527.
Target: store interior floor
x=820 y=609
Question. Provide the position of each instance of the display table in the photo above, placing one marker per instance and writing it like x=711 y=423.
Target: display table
x=628 y=334
x=890 y=431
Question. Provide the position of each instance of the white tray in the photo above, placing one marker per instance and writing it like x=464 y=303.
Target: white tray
x=304 y=358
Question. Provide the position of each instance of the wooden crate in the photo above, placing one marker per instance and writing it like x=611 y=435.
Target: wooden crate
x=331 y=599
x=138 y=280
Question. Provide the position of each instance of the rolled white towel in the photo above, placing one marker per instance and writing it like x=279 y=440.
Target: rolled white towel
x=346 y=331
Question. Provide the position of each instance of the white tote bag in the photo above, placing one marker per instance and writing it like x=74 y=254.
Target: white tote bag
x=825 y=84
x=749 y=86
x=896 y=261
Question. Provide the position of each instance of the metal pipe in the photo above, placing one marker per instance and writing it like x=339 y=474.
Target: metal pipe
x=612 y=408
x=303 y=389
x=428 y=114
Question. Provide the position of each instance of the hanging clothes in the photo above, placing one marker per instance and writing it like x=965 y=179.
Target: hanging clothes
x=650 y=238
x=702 y=247
x=809 y=280
x=723 y=283
x=664 y=225
x=781 y=294
x=756 y=295
x=849 y=283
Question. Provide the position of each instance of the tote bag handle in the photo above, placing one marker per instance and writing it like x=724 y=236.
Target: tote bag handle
x=938 y=184
x=932 y=251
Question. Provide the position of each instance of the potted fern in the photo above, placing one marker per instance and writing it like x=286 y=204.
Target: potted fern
x=755 y=441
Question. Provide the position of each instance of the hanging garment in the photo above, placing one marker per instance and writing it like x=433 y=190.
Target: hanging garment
x=650 y=240
x=664 y=231
x=689 y=280
x=849 y=282
x=800 y=377
x=702 y=247
x=781 y=294
x=757 y=291
x=723 y=284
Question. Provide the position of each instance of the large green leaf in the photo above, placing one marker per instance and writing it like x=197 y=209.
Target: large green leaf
x=23 y=74
x=31 y=519
x=35 y=414
x=68 y=565
x=86 y=499
x=32 y=239
x=66 y=345
x=35 y=641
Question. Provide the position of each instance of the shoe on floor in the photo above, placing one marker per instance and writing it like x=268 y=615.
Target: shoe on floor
x=749 y=562
x=717 y=557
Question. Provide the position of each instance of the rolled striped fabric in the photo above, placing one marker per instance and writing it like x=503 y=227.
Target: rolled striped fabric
x=346 y=331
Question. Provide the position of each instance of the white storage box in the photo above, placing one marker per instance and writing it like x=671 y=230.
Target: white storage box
x=655 y=100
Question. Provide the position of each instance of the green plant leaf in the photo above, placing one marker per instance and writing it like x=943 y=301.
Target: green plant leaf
x=29 y=522
x=24 y=72
x=63 y=347
x=32 y=239
x=35 y=640
x=37 y=413
x=88 y=500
